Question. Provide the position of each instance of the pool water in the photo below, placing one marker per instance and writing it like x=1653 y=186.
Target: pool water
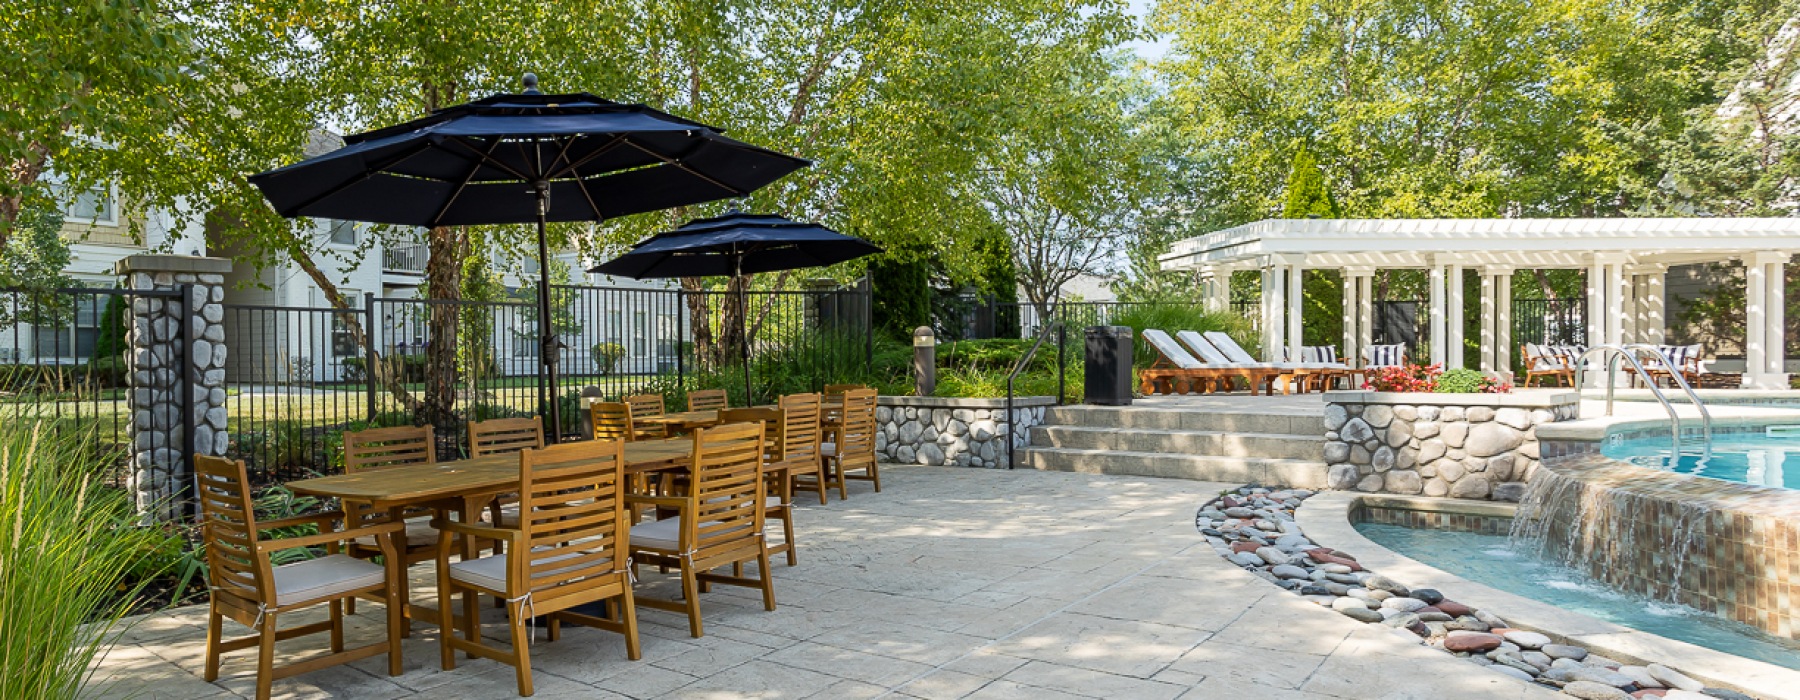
x=1492 y=561
x=1750 y=459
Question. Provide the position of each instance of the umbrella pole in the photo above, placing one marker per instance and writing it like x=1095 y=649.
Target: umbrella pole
x=737 y=265
x=547 y=348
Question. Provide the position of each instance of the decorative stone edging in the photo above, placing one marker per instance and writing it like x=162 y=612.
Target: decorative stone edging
x=1475 y=446
x=946 y=432
x=1256 y=528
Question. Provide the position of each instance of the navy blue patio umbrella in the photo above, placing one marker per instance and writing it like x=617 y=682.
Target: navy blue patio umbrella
x=737 y=244
x=520 y=158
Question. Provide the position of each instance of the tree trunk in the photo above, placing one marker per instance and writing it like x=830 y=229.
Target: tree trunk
x=700 y=323
x=446 y=246
x=1543 y=281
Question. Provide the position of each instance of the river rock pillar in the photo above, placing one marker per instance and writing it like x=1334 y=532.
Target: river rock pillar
x=176 y=370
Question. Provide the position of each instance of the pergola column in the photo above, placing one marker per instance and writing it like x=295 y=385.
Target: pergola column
x=1296 y=305
x=1274 y=307
x=1215 y=288
x=1454 y=321
x=1765 y=300
x=1496 y=322
x=1434 y=281
x=1606 y=289
x=1365 y=315
x=1646 y=312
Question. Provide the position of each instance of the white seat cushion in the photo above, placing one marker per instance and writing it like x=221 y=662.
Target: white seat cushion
x=772 y=502
x=657 y=534
x=323 y=577
x=490 y=572
x=419 y=532
x=828 y=449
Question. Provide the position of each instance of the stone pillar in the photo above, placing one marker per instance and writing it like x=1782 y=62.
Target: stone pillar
x=177 y=370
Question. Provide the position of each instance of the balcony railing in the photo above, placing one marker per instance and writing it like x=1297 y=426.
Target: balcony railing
x=407 y=258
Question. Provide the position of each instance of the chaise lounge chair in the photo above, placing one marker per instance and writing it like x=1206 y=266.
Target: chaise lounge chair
x=1302 y=373
x=1177 y=372
x=1264 y=373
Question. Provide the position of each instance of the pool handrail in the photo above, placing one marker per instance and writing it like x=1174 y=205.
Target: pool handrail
x=1612 y=354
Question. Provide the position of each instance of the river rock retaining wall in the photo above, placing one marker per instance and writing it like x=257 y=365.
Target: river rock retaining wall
x=1476 y=446
x=943 y=432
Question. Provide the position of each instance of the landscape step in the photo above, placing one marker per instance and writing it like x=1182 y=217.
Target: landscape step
x=1220 y=443
x=1301 y=423
x=1299 y=473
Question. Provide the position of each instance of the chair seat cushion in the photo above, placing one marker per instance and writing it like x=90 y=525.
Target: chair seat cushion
x=490 y=572
x=828 y=449
x=772 y=502
x=509 y=516
x=323 y=577
x=419 y=533
x=657 y=534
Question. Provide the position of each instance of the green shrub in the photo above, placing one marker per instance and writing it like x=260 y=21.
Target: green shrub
x=1175 y=317
x=1459 y=381
x=606 y=356
x=65 y=551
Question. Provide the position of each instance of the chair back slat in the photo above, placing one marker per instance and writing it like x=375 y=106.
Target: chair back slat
x=505 y=436
x=572 y=510
x=770 y=418
x=708 y=400
x=856 y=428
x=388 y=447
x=611 y=421
x=800 y=428
x=228 y=526
x=835 y=389
x=728 y=489
x=645 y=406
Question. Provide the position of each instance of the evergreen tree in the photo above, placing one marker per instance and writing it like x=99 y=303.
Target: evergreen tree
x=1000 y=279
x=902 y=294
x=1323 y=293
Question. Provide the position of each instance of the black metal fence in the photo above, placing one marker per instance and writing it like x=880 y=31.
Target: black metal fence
x=63 y=364
x=1549 y=321
x=976 y=316
x=300 y=377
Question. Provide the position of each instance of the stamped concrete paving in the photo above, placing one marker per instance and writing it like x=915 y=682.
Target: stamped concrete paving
x=951 y=583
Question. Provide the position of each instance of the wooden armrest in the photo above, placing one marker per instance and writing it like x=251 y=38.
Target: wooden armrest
x=323 y=520
x=327 y=537
x=658 y=501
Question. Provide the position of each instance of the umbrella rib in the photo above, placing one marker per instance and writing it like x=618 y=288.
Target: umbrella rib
x=603 y=150
x=683 y=166
x=438 y=219
x=497 y=163
x=581 y=185
x=560 y=155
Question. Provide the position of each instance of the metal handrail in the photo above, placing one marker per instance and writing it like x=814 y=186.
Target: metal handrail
x=1628 y=353
x=1024 y=360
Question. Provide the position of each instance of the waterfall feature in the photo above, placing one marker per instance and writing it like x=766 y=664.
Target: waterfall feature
x=1721 y=547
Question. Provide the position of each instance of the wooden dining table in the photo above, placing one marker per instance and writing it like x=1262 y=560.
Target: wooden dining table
x=682 y=421
x=463 y=486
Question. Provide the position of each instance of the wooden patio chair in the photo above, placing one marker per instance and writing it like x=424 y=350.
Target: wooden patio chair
x=1540 y=362
x=505 y=436
x=247 y=588
x=718 y=522
x=381 y=448
x=779 y=503
x=611 y=421
x=708 y=400
x=568 y=549
x=646 y=406
x=801 y=433
x=852 y=446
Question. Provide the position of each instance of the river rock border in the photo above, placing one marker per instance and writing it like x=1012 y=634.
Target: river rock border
x=945 y=432
x=1254 y=528
x=1475 y=446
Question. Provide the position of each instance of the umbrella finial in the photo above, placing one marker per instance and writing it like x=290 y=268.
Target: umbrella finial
x=530 y=81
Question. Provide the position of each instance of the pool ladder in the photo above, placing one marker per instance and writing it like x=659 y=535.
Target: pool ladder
x=1612 y=354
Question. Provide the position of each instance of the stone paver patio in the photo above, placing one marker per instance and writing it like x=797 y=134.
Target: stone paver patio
x=952 y=583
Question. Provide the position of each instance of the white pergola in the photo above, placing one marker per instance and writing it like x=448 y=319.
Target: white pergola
x=1626 y=262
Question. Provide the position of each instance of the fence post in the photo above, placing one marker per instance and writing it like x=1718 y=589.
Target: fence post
x=868 y=322
x=681 y=337
x=177 y=368
x=369 y=350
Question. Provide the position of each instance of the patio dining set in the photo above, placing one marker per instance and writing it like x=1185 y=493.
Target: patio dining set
x=555 y=533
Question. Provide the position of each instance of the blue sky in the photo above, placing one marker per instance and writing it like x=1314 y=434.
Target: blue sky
x=1148 y=50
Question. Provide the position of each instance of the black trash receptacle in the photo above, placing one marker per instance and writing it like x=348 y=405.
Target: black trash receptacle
x=1108 y=365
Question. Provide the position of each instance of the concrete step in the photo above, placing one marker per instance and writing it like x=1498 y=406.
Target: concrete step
x=1182 y=442
x=1307 y=423
x=1232 y=470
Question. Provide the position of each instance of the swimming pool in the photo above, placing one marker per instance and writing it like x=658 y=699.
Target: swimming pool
x=1491 y=560
x=1750 y=458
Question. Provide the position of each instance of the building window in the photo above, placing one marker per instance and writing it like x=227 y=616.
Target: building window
x=96 y=205
x=666 y=342
x=71 y=339
x=342 y=232
x=640 y=338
